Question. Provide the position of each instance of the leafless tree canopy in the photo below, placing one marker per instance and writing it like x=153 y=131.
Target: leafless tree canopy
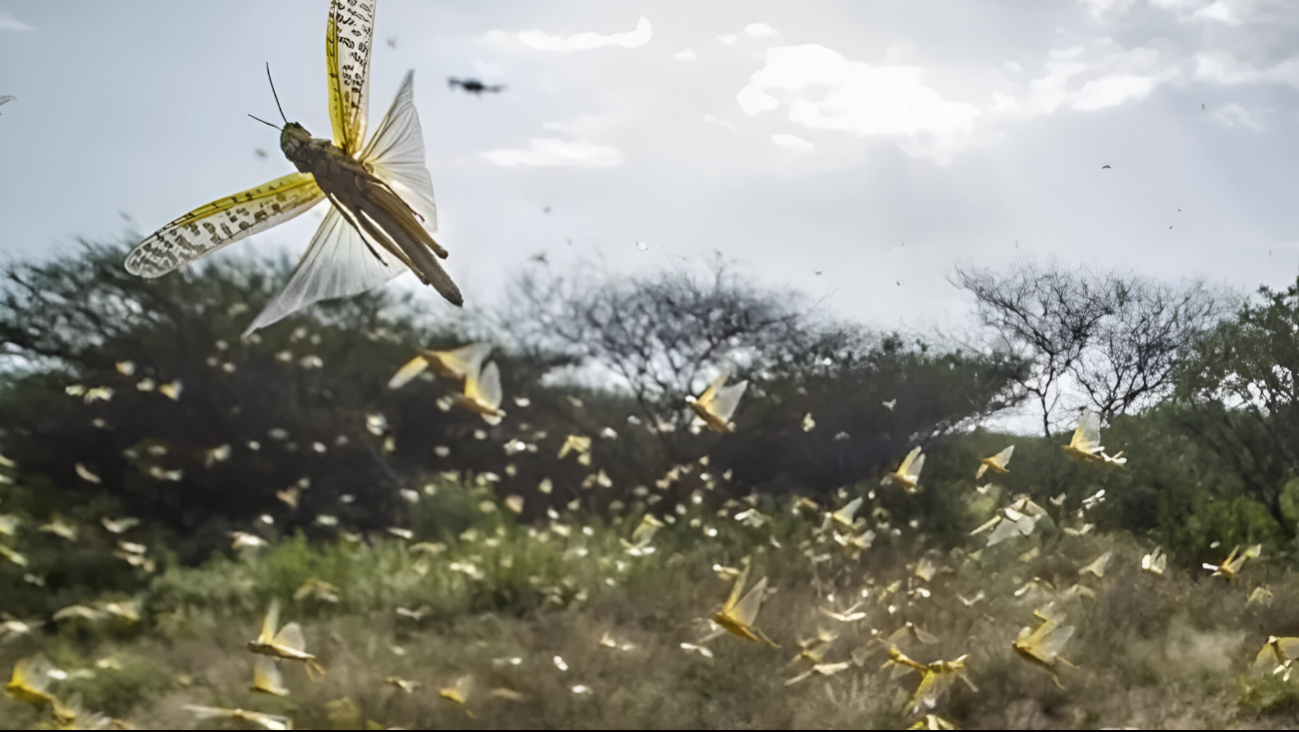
x=663 y=336
x=1095 y=339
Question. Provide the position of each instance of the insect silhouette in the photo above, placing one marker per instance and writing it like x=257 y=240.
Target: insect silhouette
x=474 y=86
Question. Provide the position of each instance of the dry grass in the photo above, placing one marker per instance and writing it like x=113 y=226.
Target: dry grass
x=1152 y=652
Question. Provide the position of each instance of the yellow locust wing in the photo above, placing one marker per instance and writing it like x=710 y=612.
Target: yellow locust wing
x=290 y=637
x=413 y=368
x=736 y=589
x=348 y=38
x=223 y=221
x=271 y=620
x=459 y=363
x=267 y=678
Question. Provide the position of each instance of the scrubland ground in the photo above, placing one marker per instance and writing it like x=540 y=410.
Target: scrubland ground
x=559 y=625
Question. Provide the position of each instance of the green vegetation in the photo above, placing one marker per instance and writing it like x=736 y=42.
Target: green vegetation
x=412 y=540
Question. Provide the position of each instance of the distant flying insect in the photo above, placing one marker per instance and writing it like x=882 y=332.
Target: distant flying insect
x=1086 y=441
x=936 y=682
x=890 y=404
x=1105 y=167
x=908 y=473
x=474 y=86
x=381 y=195
x=1098 y=565
x=739 y=613
x=287 y=644
x=456 y=363
x=997 y=463
x=7 y=98
x=1233 y=564
x=1155 y=562
x=483 y=394
x=718 y=402
x=809 y=424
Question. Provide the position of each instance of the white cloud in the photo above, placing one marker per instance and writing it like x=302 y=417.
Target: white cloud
x=759 y=30
x=9 y=22
x=1234 y=115
x=554 y=152
x=542 y=41
x=710 y=119
x=1111 y=91
x=1101 y=8
x=793 y=142
x=870 y=101
x=687 y=54
x=1227 y=70
x=729 y=39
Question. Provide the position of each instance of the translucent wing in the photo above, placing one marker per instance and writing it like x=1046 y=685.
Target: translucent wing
x=348 y=37
x=710 y=393
x=916 y=466
x=1266 y=660
x=746 y=610
x=1052 y=642
x=271 y=620
x=223 y=221
x=1087 y=435
x=266 y=676
x=413 y=368
x=486 y=389
x=338 y=263
x=736 y=589
x=463 y=361
x=1003 y=457
x=845 y=514
x=396 y=155
x=726 y=399
x=290 y=636
x=905 y=467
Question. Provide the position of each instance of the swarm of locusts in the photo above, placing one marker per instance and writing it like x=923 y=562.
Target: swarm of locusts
x=860 y=625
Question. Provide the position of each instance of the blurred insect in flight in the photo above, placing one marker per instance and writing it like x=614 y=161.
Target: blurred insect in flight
x=287 y=644
x=739 y=613
x=475 y=87
x=382 y=212
x=1041 y=646
x=718 y=402
x=483 y=394
x=456 y=363
x=908 y=473
x=1231 y=566
x=997 y=463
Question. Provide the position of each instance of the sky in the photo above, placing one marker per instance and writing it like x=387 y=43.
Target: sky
x=854 y=151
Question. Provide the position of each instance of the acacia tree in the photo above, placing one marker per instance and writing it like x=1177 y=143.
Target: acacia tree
x=1242 y=381
x=1106 y=340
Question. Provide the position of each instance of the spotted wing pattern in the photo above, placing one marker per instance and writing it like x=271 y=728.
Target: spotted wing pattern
x=223 y=221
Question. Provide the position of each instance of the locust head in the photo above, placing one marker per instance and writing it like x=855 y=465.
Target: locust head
x=293 y=138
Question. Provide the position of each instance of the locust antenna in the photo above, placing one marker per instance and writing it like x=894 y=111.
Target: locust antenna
x=277 y=96
x=268 y=124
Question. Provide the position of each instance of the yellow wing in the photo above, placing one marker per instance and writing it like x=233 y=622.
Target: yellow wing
x=290 y=637
x=348 y=38
x=223 y=221
x=485 y=386
x=413 y=368
x=267 y=678
x=711 y=392
x=271 y=620
x=737 y=588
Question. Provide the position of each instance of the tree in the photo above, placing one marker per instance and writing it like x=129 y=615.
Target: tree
x=1243 y=377
x=1101 y=340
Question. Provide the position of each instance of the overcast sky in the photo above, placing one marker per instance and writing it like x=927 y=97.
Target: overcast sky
x=793 y=138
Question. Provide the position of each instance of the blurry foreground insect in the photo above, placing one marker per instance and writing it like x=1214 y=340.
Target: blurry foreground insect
x=265 y=721
x=718 y=402
x=381 y=195
x=997 y=463
x=1041 y=645
x=288 y=643
x=908 y=473
x=456 y=363
x=739 y=613
x=1232 y=565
